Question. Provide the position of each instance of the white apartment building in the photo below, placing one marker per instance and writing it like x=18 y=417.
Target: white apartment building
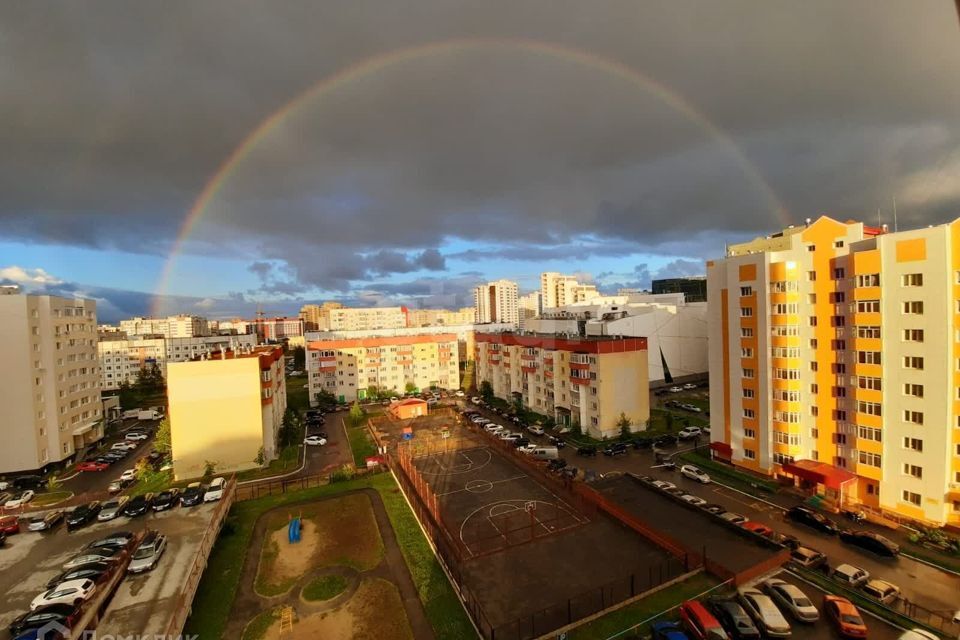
x=279 y=329
x=497 y=302
x=528 y=307
x=51 y=381
x=557 y=290
x=439 y=317
x=676 y=330
x=367 y=318
x=181 y=326
x=121 y=359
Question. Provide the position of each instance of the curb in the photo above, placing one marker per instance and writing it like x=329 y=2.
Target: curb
x=303 y=463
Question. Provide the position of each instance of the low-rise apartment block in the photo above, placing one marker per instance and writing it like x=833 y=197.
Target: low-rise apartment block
x=278 y=329
x=835 y=361
x=225 y=409
x=51 y=381
x=181 y=326
x=347 y=368
x=590 y=381
x=367 y=318
x=439 y=317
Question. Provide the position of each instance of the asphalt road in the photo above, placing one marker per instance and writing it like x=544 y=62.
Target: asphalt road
x=922 y=584
x=334 y=454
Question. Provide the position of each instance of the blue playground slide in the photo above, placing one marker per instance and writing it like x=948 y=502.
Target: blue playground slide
x=293 y=530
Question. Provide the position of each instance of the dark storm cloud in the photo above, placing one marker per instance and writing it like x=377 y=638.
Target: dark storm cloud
x=115 y=115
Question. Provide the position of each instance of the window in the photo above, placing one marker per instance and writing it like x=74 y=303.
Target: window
x=913 y=417
x=913 y=335
x=873 y=384
x=915 y=444
x=786 y=395
x=812 y=276
x=749 y=433
x=869 y=459
x=782 y=437
x=837 y=297
x=782 y=458
x=746 y=312
x=870 y=408
x=748 y=373
x=814 y=410
x=868 y=357
x=811 y=298
x=813 y=343
x=790 y=417
x=814 y=366
x=746 y=291
x=749 y=454
x=748 y=393
x=868 y=332
x=915 y=390
x=813 y=321
x=911 y=280
x=868 y=280
x=869 y=433
x=782 y=309
x=785 y=352
x=913 y=362
x=746 y=332
x=786 y=374
x=868 y=306
x=746 y=352
x=838 y=273
x=914 y=307
x=783 y=286
x=749 y=413
x=912 y=498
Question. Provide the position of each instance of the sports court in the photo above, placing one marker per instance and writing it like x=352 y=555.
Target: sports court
x=488 y=503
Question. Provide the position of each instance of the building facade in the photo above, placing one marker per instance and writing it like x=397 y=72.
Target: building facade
x=51 y=380
x=589 y=381
x=529 y=307
x=835 y=360
x=347 y=368
x=439 y=317
x=278 y=329
x=693 y=288
x=224 y=409
x=496 y=302
x=367 y=318
x=182 y=326
x=122 y=359
x=557 y=290
x=316 y=317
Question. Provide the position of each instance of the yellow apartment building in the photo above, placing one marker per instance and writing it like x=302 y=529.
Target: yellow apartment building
x=224 y=407
x=585 y=380
x=834 y=354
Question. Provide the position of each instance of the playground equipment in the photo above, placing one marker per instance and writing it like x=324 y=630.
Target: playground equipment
x=293 y=529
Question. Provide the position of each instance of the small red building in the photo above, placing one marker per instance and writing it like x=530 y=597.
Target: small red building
x=409 y=408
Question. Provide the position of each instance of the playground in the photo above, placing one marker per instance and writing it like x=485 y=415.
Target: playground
x=329 y=568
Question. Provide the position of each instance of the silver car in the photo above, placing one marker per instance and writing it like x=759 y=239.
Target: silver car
x=147 y=555
x=111 y=508
x=765 y=613
x=791 y=599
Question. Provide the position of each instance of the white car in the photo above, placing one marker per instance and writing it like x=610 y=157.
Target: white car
x=509 y=437
x=492 y=427
x=918 y=634
x=675 y=389
x=694 y=473
x=850 y=575
x=765 y=613
x=694 y=500
x=459 y=393
x=129 y=474
x=19 y=500
x=881 y=591
x=536 y=430
x=123 y=446
x=663 y=485
x=4 y=486
x=527 y=448
x=792 y=599
x=315 y=441
x=689 y=386
x=688 y=433
x=691 y=407
x=735 y=518
x=215 y=490
x=135 y=435
x=69 y=592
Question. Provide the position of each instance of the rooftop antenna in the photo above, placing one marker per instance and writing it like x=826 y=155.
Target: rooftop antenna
x=895 y=228
x=878 y=217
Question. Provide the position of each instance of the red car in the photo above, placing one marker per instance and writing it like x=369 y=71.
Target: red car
x=700 y=623
x=9 y=525
x=758 y=528
x=92 y=465
x=844 y=616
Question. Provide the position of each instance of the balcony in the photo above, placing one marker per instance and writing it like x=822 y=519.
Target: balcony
x=579 y=358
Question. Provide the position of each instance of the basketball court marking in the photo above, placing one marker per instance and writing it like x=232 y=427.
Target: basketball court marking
x=477 y=459
x=480 y=486
x=502 y=507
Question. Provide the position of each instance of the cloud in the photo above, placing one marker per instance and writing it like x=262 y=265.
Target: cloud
x=19 y=275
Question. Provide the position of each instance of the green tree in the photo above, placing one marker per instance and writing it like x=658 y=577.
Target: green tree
x=486 y=390
x=410 y=387
x=373 y=392
x=299 y=358
x=261 y=457
x=326 y=400
x=669 y=421
x=549 y=423
x=356 y=414
x=209 y=468
x=624 y=423
x=576 y=429
x=289 y=433
x=162 y=442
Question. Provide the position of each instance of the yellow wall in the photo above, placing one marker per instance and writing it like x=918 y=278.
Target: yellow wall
x=215 y=415
x=622 y=386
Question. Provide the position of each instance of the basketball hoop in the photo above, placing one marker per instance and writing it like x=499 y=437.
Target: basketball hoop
x=529 y=506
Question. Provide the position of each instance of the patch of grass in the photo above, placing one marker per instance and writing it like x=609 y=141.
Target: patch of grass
x=51 y=498
x=361 y=444
x=287 y=461
x=324 y=588
x=263 y=586
x=951 y=563
x=728 y=475
x=298 y=396
x=151 y=482
x=218 y=587
x=625 y=617
x=258 y=627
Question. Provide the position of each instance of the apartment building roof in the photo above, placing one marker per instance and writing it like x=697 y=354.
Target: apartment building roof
x=267 y=355
x=384 y=341
x=582 y=344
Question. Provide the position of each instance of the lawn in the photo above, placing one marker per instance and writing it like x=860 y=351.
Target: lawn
x=258 y=627
x=626 y=617
x=152 y=482
x=51 y=498
x=287 y=461
x=324 y=588
x=361 y=444
x=211 y=606
x=298 y=396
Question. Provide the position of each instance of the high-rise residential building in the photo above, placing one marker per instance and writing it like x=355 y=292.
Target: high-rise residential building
x=181 y=326
x=347 y=368
x=529 y=307
x=278 y=329
x=693 y=287
x=122 y=358
x=590 y=381
x=226 y=408
x=835 y=360
x=50 y=392
x=557 y=290
x=496 y=302
x=236 y=326
x=367 y=318
x=439 y=317
x=316 y=317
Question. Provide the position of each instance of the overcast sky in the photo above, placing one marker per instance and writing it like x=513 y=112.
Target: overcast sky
x=527 y=142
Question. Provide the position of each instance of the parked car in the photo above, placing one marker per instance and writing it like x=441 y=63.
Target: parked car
x=556 y=464
x=96 y=571
x=148 y=553
x=713 y=508
x=82 y=515
x=135 y=436
x=791 y=599
x=94 y=465
x=642 y=443
x=730 y=516
x=215 y=491
x=118 y=485
x=689 y=433
x=785 y=539
x=700 y=623
x=615 y=449
x=807 y=558
x=766 y=616
x=166 y=499
x=695 y=473
x=62 y=614
x=918 y=634
x=873 y=542
x=89 y=556
x=694 y=500
x=881 y=591
x=9 y=525
x=314 y=441
x=527 y=449
x=138 y=505
x=667 y=630
x=849 y=575
x=27 y=482
x=116 y=540
x=192 y=495
x=758 y=528
x=666 y=440
x=112 y=508
x=45 y=522
x=689 y=386
x=691 y=407
x=676 y=389
x=19 y=500
x=844 y=617
x=734 y=618
x=72 y=591
x=559 y=443
x=123 y=446
x=536 y=430
x=809 y=517
x=663 y=485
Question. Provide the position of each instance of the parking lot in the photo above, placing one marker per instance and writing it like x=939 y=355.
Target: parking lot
x=142 y=604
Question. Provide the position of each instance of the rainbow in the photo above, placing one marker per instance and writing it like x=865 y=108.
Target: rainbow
x=385 y=61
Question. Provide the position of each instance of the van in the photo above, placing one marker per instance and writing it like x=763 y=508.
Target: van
x=215 y=490
x=545 y=453
x=700 y=623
